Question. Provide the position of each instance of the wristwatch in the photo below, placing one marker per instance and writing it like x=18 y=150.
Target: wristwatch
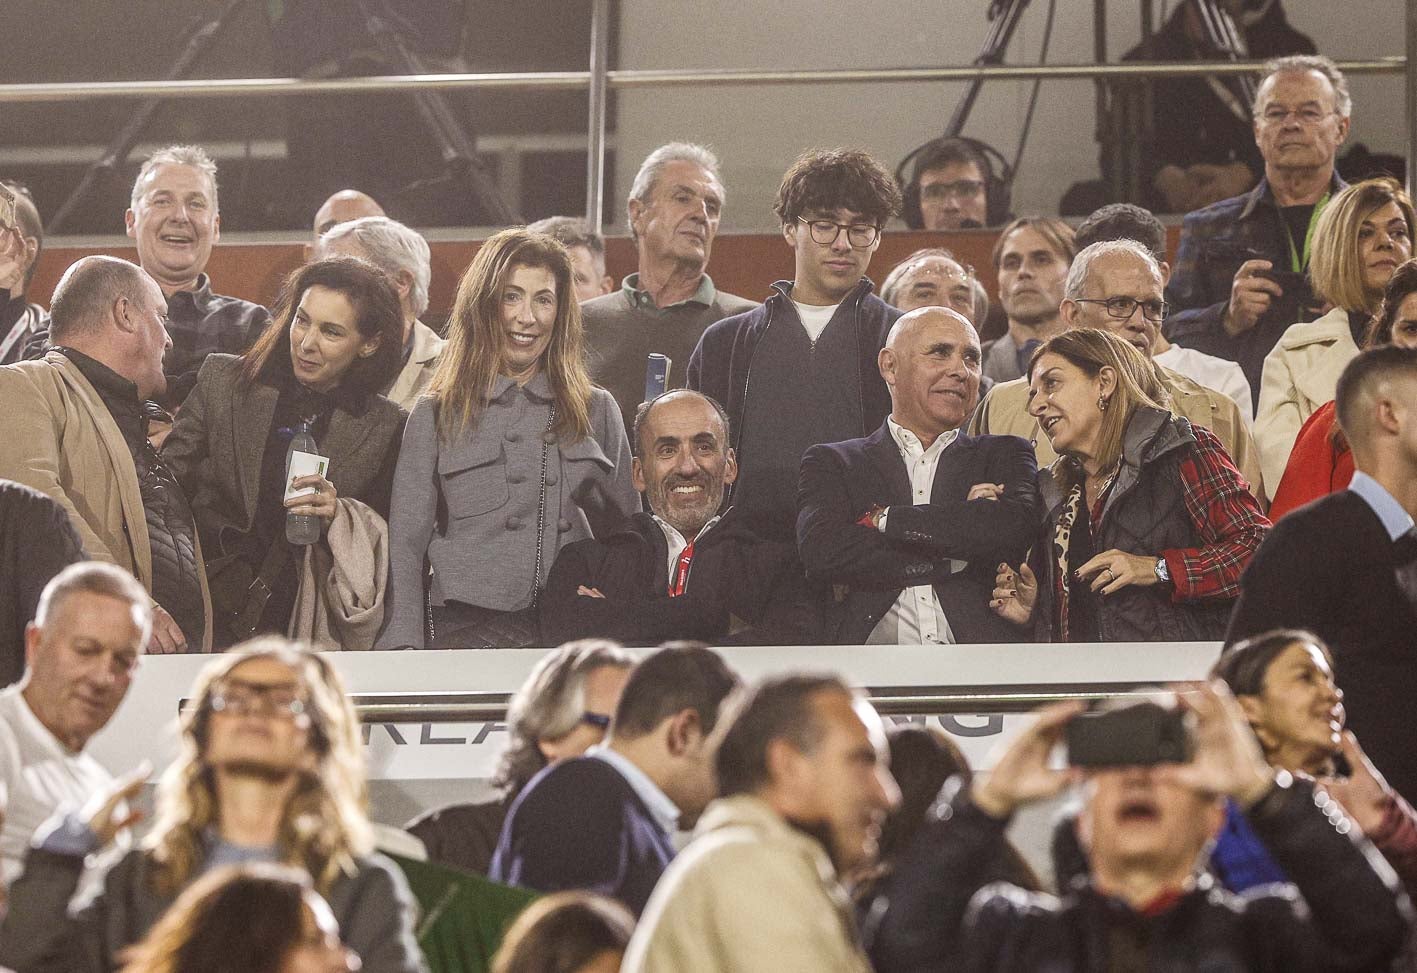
x=1163 y=573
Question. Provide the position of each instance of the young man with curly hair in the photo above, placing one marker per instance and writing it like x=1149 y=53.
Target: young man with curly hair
x=800 y=368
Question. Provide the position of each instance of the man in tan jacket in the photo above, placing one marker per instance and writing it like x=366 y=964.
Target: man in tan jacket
x=802 y=770
x=1117 y=286
x=77 y=431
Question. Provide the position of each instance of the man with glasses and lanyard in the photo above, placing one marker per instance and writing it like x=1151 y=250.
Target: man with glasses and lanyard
x=800 y=369
x=20 y=244
x=1240 y=269
x=1116 y=286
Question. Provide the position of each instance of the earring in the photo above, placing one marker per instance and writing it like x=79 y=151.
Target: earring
x=1101 y=404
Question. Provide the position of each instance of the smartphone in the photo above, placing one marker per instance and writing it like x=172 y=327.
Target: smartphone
x=1138 y=735
x=656 y=376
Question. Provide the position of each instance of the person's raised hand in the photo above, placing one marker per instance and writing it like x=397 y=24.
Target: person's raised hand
x=167 y=637
x=12 y=260
x=110 y=811
x=1015 y=593
x=1250 y=296
x=1364 y=794
x=1227 y=761
x=1022 y=775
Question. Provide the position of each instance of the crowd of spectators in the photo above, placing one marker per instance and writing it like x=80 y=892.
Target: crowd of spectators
x=666 y=464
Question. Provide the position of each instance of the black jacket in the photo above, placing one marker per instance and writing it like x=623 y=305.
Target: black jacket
x=36 y=543
x=579 y=824
x=869 y=569
x=1329 y=567
x=740 y=589
x=1343 y=911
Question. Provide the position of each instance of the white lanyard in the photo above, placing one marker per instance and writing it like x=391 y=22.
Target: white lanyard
x=21 y=327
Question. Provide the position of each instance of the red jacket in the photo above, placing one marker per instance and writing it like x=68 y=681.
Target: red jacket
x=1321 y=463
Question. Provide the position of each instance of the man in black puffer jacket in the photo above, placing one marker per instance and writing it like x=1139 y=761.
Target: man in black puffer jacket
x=1144 y=904
x=681 y=571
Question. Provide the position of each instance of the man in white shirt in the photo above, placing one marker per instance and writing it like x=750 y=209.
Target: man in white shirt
x=91 y=628
x=907 y=524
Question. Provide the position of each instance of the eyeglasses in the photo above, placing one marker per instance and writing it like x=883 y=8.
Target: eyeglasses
x=825 y=232
x=1308 y=115
x=1122 y=308
x=249 y=699
x=959 y=189
x=598 y=720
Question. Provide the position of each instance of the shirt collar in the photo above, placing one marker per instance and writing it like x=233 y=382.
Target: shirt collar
x=1263 y=193
x=703 y=295
x=1396 y=520
x=672 y=535
x=200 y=296
x=664 y=811
x=538 y=388
x=910 y=443
x=34 y=727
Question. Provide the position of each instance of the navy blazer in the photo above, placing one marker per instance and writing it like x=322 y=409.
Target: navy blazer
x=869 y=569
x=579 y=824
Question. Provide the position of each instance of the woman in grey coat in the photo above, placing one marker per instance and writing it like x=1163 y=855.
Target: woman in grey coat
x=510 y=455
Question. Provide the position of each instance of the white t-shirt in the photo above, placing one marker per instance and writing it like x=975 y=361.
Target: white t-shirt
x=815 y=319
x=38 y=775
x=1220 y=374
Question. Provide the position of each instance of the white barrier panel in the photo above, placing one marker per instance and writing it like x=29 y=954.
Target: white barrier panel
x=145 y=725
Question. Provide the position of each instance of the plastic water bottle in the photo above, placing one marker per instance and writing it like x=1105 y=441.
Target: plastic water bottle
x=301 y=530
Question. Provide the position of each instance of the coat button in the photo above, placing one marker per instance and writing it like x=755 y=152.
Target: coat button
x=550 y=477
x=549 y=438
x=562 y=526
x=514 y=522
x=513 y=436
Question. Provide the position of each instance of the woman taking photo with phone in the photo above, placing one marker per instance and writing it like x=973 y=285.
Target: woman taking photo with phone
x=333 y=343
x=1149 y=524
x=509 y=456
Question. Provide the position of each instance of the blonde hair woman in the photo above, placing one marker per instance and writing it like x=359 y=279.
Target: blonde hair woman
x=510 y=455
x=1149 y=524
x=1363 y=235
x=270 y=770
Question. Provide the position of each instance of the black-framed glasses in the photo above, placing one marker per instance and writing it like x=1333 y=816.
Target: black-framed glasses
x=247 y=699
x=1122 y=308
x=959 y=189
x=825 y=232
x=598 y=720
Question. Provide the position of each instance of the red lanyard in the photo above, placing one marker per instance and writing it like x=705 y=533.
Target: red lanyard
x=680 y=581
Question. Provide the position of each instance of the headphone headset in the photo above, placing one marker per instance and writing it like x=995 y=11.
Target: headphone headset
x=998 y=180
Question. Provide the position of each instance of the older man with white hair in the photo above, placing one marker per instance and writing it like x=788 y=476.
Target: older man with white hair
x=673 y=211
x=404 y=256
x=1116 y=286
x=82 y=648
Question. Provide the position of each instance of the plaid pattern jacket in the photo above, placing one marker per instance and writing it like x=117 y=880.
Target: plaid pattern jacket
x=1215 y=241
x=1225 y=515
x=200 y=323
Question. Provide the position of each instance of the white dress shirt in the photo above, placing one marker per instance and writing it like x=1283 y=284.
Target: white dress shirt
x=676 y=540
x=916 y=618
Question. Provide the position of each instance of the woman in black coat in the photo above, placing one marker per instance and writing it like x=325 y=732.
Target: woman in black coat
x=334 y=342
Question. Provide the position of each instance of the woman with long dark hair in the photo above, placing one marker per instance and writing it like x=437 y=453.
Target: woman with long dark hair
x=1149 y=524
x=510 y=455
x=334 y=342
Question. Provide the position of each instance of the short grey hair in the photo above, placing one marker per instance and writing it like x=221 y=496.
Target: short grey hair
x=643 y=186
x=892 y=282
x=1300 y=63
x=177 y=155
x=1082 y=263
x=392 y=247
x=96 y=578
x=571 y=231
x=549 y=705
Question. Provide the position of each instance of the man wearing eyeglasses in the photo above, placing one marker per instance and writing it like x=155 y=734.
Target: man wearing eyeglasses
x=91 y=627
x=1116 y=286
x=800 y=369
x=1240 y=278
x=949 y=189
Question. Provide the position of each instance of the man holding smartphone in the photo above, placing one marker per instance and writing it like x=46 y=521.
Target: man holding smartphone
x=1240 y=268
x=1145 y=902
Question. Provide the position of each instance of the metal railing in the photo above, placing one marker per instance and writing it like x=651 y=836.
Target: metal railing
x=483 y=707
x=599 y=80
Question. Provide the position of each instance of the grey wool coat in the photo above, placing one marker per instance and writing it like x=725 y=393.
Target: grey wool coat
x=469 y=509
